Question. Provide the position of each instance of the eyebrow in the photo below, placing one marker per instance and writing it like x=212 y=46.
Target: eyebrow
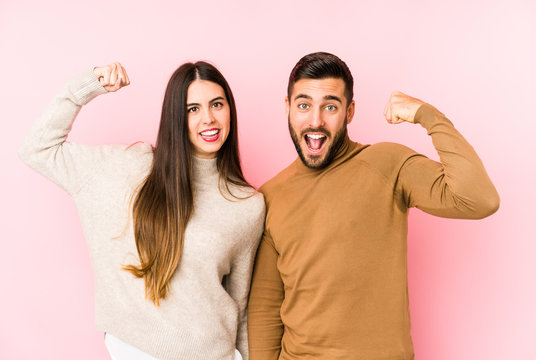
x=211 y=101
x=217 y=98
x=302 y=96
x=333 y=97
x=327 y=97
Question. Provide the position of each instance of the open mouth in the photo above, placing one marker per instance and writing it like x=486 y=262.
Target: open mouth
x=210 y=135
x=315 y=142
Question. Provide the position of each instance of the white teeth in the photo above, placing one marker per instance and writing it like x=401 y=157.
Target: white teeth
x=316 y=136
x=210 y=133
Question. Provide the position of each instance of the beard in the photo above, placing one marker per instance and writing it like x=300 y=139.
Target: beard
x=319 y=161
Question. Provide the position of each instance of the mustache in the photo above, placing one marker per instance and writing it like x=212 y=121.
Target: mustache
x=317 y=130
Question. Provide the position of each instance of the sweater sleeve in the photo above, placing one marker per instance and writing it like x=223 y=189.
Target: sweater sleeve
x=239 y=278
x=265 y=327
x=45 y=148
x=456 y=187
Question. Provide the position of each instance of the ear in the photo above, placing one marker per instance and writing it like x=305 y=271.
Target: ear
x=287 y=105
x=350 y=110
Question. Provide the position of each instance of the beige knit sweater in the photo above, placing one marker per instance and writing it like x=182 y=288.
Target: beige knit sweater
x=204 y=317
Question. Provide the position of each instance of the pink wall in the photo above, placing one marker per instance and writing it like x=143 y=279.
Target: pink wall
x=472 y=283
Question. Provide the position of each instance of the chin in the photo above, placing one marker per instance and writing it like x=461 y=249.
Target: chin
x=315 y=164
x=313 y=161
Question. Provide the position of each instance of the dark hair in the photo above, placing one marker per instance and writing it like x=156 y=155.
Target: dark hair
x=164 y=203
x=322 y=65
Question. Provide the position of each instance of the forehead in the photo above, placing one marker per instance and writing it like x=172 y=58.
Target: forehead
x=319 y=88
x=199 y=90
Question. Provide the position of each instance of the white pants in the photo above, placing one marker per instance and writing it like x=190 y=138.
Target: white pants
x=120 y=350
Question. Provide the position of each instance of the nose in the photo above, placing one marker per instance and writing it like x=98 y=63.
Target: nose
x=316 y=118
x=208 y=116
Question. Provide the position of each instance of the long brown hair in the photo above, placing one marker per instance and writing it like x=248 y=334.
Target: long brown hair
x=164 y=203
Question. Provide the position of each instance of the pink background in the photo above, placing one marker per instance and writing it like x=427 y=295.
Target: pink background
x=472 y=283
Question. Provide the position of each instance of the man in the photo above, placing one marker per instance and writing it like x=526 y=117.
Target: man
x=330 y=278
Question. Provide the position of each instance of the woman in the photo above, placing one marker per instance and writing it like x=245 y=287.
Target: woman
x=173 y=229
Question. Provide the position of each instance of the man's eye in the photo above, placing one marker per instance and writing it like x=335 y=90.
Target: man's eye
x=303 y=106
x=193 y=109
x=331 y=108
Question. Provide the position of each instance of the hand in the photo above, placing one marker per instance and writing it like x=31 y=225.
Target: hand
x=112 y=77
x=401 y=107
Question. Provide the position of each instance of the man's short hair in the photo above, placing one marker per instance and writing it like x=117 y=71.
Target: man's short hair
x=322 y=65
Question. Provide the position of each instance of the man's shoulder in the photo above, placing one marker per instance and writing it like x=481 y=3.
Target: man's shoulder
x=385 y=157
x=381 y=152
x=271 y=186
x=387 y=150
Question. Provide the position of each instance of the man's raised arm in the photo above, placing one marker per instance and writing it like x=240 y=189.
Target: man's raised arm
x=456 y=187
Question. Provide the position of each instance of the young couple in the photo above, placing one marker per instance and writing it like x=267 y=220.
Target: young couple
x=173 y=229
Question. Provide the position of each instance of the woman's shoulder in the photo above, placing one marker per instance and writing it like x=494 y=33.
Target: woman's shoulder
x=245 y=192
x=248 y=199
x=139 y=148
x=248 y=215
x=124 y=161
x=135 y=154
x=257 y=201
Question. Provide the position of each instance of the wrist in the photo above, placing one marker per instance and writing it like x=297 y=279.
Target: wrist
x=426 y=115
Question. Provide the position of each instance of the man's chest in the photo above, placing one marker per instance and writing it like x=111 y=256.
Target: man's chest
x=331 y=222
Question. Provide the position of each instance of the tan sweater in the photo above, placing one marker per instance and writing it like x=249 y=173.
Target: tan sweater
x=205 y=315
x=331 y=267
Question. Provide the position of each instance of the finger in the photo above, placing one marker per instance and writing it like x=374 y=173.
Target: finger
x=388 y=114
x=99 y=73
x=113 y=75
x=120 y=75
x=126 y=78
x=106 y=76
x=118 y=84
x=97 y=70
x=396 y=120
x=123 y=75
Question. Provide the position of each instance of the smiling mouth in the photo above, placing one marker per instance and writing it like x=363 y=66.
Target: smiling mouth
x=315 y=142
x=210 y=135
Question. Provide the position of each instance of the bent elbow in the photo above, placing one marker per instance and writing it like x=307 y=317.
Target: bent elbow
x=31 y=155
x=25 y=153
x=488 y=204
x=494 y=202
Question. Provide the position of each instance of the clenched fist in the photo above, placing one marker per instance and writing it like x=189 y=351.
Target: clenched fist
x=401 y=107
x=112 y=77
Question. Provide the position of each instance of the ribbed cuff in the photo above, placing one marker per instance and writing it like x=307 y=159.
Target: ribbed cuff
x=86 y=87
x=427 y=116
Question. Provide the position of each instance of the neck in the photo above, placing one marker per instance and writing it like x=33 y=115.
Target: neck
x=204 y=168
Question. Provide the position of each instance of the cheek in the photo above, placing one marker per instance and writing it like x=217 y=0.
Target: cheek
x=335 y=122
x=298 y=121
x=295 y=128
x=226 y=122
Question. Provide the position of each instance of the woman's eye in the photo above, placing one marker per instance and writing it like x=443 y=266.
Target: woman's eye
x=331 y=108
x=303 y=106
x=193 y=109
x=217 y=104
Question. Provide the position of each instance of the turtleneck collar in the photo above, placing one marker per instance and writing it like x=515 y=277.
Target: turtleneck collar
x=204 y=168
